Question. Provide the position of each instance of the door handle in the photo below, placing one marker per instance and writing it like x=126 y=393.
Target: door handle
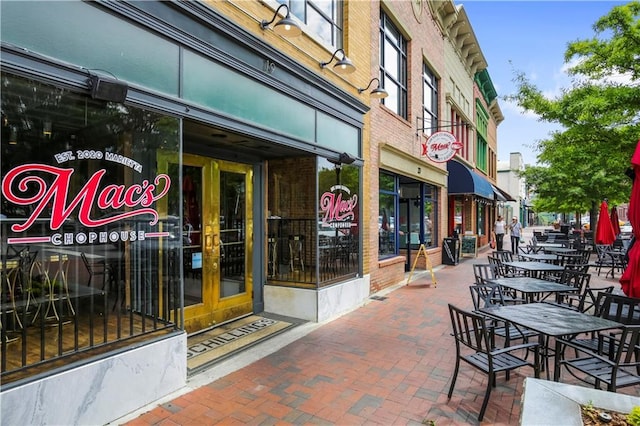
x=210 y=239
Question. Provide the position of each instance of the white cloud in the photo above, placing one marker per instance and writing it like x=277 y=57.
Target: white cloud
x=510 y=108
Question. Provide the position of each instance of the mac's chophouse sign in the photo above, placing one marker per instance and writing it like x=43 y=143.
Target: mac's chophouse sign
x=441 y=147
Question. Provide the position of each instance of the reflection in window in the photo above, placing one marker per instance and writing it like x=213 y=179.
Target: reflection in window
x=322 y=17
x=308 y=247
x=481 y=219
x=430 y=218
x=393 y=66
x=109 y=253
x=429 y=101
x=388 y=200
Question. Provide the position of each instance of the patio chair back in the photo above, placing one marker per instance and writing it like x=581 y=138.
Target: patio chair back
x=474 y=346
x=486 y=296
x=567 y=259
x=585 y=254
x=503 y=270
x=484 y=272
x=585 y=298
x=578 y=267
x=622 y=309
x=503 y=255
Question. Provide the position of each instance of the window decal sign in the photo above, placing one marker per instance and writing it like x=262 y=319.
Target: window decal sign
x=441 y=147
x=45 y=189
x=338 y=212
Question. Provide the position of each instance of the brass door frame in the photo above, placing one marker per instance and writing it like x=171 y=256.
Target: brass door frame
x=213 y=309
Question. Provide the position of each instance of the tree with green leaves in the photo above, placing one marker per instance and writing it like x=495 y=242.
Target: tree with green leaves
x=585 y=161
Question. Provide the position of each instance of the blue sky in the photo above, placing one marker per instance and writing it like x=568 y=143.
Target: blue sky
x=531 y=37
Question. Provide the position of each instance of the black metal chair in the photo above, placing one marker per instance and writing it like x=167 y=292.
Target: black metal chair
x=614 y=307
x=98 y=268
x=484 y=272
x=615 y=361
x=472 y=335
x=619 y=308
x=486 y=296
x=584 y=298
x=603 y=260
x=503 y=270
x=503 y=255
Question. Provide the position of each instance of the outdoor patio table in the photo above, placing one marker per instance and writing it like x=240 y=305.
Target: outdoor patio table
x=550 y=321
x=534 y=269
x=549 y=245
x=534 y=289
x=538 y=247
x=540 y=257
x=559 y=250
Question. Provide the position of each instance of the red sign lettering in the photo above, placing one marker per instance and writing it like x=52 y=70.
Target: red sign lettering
x=336 y=209
x=22 y=180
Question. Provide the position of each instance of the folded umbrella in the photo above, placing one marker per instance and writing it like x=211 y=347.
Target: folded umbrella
x=604 y=230
x=615 y=221
x=630 y=279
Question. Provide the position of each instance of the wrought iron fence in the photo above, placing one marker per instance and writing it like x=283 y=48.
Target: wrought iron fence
x=306 y=252
x=64 y=303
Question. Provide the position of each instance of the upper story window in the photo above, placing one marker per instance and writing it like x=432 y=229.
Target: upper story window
x=393 y=66
x=429 y=101
x=481 y=155
x=460 y=129
x=482 y=126
x=482 y=120
x=322 y=17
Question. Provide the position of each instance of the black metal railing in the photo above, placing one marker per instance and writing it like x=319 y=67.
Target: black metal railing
x=302 y=251
x=64 y=303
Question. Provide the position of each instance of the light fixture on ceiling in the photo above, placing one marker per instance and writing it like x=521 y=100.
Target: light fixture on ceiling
x=46 y=128
x=343 y=66
x=378 y=92
x=13 y=135
x=285 y=27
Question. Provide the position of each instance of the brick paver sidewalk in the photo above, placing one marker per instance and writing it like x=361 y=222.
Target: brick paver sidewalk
x=387 y=362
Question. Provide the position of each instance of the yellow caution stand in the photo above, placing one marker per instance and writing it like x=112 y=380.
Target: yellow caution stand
x=423 y=251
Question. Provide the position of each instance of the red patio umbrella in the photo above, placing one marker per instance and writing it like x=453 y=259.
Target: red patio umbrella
x=615 y=221
x=604 y=229
x=630 y=279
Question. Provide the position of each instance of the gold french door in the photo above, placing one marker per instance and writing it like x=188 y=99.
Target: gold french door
x=217 y=233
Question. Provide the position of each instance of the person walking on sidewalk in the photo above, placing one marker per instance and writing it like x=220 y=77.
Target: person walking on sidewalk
x=499 y=228
x=516 y=233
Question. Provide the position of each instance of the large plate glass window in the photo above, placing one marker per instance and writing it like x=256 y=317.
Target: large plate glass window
x=89 y=258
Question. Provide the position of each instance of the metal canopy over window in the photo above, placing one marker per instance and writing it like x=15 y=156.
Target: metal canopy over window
x=463 y=180
x=502 y=195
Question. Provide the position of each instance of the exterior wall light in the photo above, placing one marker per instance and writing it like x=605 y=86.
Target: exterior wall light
x=285 y=27
x=378 y=92
x=343 y=66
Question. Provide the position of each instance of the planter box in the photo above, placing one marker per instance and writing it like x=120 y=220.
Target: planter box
x=551 y=403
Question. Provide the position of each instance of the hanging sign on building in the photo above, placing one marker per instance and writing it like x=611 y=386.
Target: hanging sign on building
x=441 y=147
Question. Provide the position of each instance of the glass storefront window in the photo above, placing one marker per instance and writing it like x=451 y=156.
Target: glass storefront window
x=388 y=201
x=407 y=215
x=481 y=218
x=457 y=215
x=430 y=209
x=309 y=247
x=87 y=251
